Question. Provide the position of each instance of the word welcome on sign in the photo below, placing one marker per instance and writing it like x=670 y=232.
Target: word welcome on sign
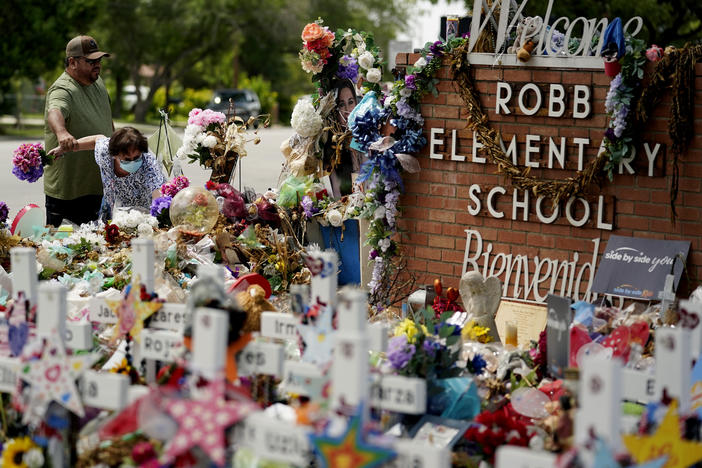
x=540 y=31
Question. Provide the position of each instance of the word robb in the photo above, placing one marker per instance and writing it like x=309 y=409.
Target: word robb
x=530 y=100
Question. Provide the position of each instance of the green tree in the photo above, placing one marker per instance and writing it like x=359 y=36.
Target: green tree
x=35 y=33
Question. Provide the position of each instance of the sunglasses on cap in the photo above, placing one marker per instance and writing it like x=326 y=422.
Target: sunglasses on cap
x=90 y=61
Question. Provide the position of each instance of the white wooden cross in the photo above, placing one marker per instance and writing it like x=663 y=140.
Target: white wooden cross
x=350 y=367
x=24 y=272
x=600 y=397
x=673 y=365
x=667 y=296
x=51 y=318
x=210 y=333
x=143 y=260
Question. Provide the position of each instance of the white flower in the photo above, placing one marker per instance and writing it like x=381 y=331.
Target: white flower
x=199 y=138
x=209 y=141
x=374 y=75
x=384 y=244
x=359 y=40
x=33 y=458
x=334 y=217
x=192 y=130
x=421 y=63
x=305 y=120
x=379 y=212
x=405 y=92
x=145 y=230
x=366 y=60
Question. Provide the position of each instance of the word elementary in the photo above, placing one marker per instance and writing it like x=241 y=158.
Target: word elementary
x=541 y=152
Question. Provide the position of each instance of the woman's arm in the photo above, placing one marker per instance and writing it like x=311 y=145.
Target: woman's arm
x=85 y=143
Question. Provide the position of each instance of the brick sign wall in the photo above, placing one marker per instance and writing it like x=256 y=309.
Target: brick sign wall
x=450 y=195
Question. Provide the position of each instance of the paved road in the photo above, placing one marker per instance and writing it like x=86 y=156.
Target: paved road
x=260 y=169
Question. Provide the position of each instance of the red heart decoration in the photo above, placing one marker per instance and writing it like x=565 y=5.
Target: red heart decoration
x=452 y=294
x=315 y=265
x=53 y=373
x=619 y=341
x=639 y=333
x=578 y=337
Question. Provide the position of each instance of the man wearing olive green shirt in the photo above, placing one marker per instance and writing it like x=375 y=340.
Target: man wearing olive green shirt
x=77 y=105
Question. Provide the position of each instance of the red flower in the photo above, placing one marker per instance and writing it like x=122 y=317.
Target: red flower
x=321 y=194
x=111 y=233
x=209 y=185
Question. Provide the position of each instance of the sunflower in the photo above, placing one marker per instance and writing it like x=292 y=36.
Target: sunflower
x=14 y=450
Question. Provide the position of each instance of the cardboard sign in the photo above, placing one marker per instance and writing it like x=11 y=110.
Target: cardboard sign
x=303 y=378
x=78 y=336
x=100 y=312
x=161 y=345
x=279 y=325
x=104 y=390
x=510 y=456
x=637 y=268
x=530 y=320
x=397 y=393
x=277 y=440
x=261 y=358
x=411 y=454
x=558 y=322
x=170 y=317
x=9 y=370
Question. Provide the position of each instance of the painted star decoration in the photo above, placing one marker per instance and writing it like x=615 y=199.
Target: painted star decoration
x=202 y=422
x=349 y=450
x=665 y=441
x=604 y=458
x=131 y=313
x=52 y=378
x=318 y=338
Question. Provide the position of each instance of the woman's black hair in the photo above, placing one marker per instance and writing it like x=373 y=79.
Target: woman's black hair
x=125 y=139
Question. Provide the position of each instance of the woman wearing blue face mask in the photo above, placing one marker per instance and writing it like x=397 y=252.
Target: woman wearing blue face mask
x=131 y=175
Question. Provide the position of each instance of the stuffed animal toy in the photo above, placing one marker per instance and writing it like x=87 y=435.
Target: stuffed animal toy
x=254 y=302
x=523 y=44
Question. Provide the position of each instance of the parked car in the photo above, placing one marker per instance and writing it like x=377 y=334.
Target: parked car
x=245 y=101
x=129 y=96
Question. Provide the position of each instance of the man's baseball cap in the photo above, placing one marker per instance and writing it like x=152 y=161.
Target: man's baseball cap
x=84 y=46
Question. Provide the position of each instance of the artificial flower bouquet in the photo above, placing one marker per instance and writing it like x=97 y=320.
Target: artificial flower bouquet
x=428 y=347
x=217 y=143
x=160 y=207
x=29 y=160
x=343 y=55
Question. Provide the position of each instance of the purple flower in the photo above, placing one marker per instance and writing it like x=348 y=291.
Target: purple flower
x=31 y=175
x=348 y=68
x=409 y=82
x=27 y=164
x=373 y=253
x=431 y=347
x=308 y=206
x=4 y=212
x=437 y=49
x=609 y=134
x=160 y=204
x=399 y=351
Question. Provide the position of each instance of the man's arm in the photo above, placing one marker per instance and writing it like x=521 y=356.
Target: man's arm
x=58 y=125
x=82 y=144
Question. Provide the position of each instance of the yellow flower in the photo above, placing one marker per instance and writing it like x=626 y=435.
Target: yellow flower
x=409 y=328
x=474 y=332
x=14 y=450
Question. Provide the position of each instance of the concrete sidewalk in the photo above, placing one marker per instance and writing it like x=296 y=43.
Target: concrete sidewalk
x=146 y=129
